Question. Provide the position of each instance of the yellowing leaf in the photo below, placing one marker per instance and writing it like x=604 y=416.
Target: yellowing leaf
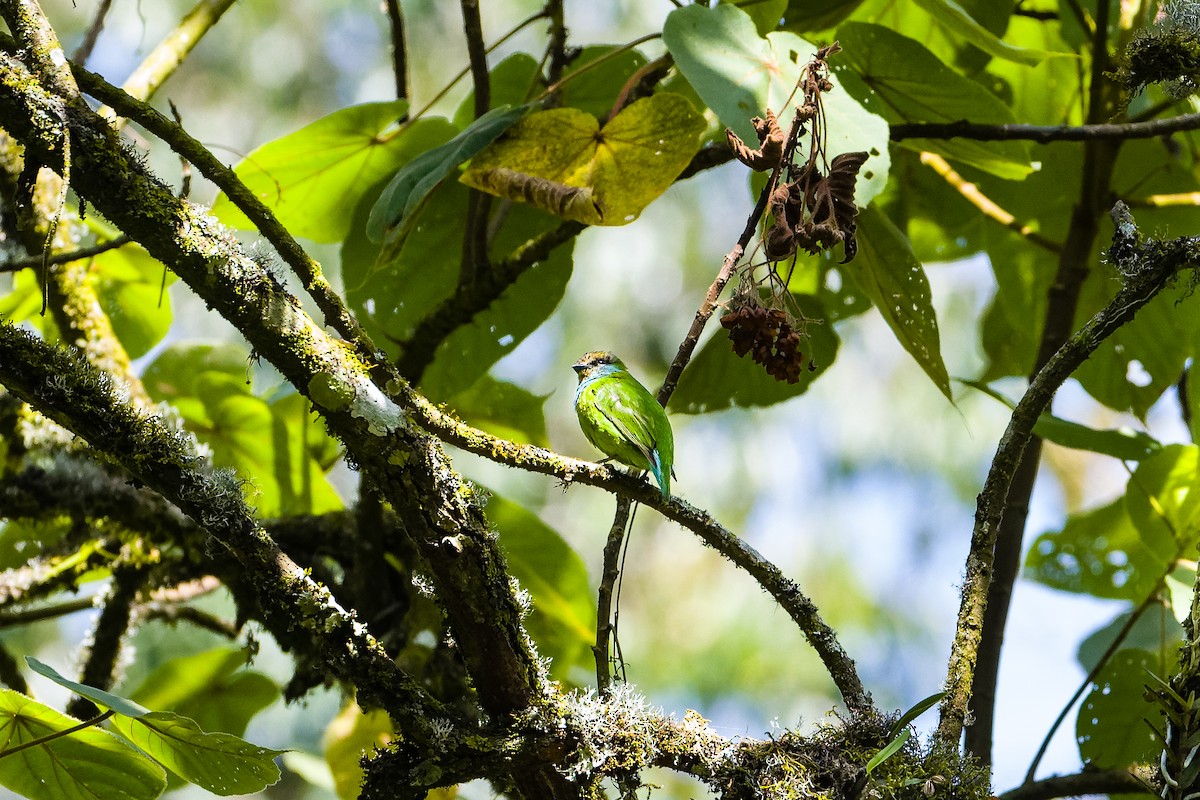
x=563 y=162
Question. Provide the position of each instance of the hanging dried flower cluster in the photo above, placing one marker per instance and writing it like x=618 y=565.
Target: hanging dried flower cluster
x=811 y=207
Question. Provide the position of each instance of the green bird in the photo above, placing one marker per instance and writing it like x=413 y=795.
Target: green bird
x=621 y=418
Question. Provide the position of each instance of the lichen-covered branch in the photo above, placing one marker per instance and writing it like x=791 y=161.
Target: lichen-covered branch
x=440 y=515
x=1147 y=268
x=785 y=591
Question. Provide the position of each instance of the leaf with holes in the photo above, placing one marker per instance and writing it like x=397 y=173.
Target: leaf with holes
x=891 y=275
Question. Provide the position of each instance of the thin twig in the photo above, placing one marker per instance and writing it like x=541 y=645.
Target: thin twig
x=556 y=47
x=84 y=51
x=609 y=573
x=1166 y=200
x=984 y=203
x=41 y=740
x=399 y=47
x=1089 y=782
x=29 y=262
x=791 y=599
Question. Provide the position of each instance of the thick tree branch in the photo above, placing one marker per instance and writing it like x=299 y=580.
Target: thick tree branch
x=441 y=516
x=1147 y=269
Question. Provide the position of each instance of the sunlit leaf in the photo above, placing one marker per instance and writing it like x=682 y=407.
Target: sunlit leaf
x=958 y=22
x=350 y=735
x=740 y=74
x=1156 y=631
x=1163 y=497
x=312 y=178
x=99 y=696
x=219 y=762
x=209 y=687
x=716 y=378
x=910 y=84
x=563 y=162
x=85 y=765
x=1099 y=552
x=412 y=184
x=893 y=278
x=131 y=287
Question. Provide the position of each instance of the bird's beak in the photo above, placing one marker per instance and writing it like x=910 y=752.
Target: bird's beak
x=579 y=366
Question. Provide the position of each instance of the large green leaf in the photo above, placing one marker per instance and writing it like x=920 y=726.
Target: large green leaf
x=909 y=84
x=85 y=765
x=740 y=74
x=118 y=704
x=1155 y=631
x=350 y=735
x=563 y=620
x=410 y=283
x=1124 y=549
x=1126 y=444
x=209 y=687
x=890 y=274
x=1100 y=552
x=130 y=285
x=219 y=762
x=503 y=409
x=312 y=178
x=1142 y=359
x=395 y=210
x=1111 y=728
x=958 y=22
x=281 y=451
x=563 y=162
x=717 y=378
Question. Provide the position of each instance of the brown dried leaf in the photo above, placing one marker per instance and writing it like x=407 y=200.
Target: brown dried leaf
x=771 y=139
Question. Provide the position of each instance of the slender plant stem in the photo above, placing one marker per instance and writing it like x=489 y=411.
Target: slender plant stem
x=609 y=573
x=1043 y=134
x=399 y=47
x=56 y=735
x=66 y=257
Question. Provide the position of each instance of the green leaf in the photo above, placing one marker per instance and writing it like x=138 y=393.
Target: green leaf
x=717 y=378
x=412 y=281
x=1162 y=496
x=209 y=687
x=503 y=409
x=412 y=184
x=889 y=750
x=1134 y=366
x=595 y=89
x=563 y=162
x=563 y=620
x=765 y=13
x=1156 y=631
x=1110 y=728
x=312 y=178
x=514 y=80
x=1100 y=552
x=740 y=74
x=303 y=452
x=916 y=711
x=118 y=704
x=130 y=283
x=1123 y=443
x=891 y=275
x=909 y=84
x=955 y=19
x=84 y=765
x=350 y=734
x=817 y=15
x=219 y=762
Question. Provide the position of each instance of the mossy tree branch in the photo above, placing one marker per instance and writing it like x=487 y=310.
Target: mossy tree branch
x=1147 y=269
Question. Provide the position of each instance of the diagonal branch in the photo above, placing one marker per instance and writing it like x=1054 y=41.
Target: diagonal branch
x=1148 y=268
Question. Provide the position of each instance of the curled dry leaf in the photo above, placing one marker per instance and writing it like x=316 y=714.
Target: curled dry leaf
x=768 y=336
x=815 y=211
x=771 y=139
